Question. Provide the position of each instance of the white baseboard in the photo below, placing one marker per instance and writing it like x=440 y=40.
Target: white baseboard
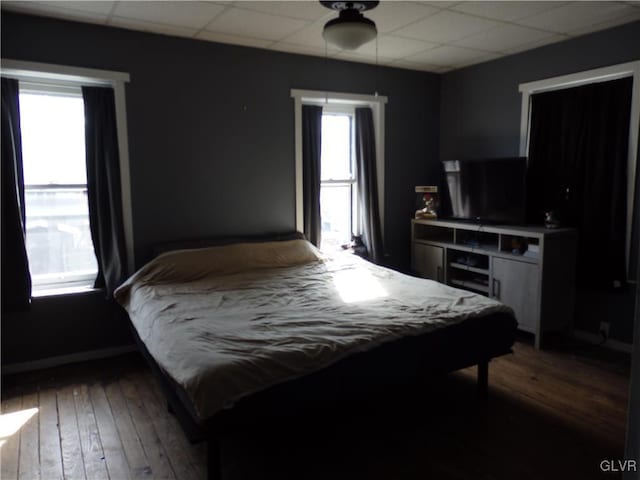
x=610 y=343
x=66 y=359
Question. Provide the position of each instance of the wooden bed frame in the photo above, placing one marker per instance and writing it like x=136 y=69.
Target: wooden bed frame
x=419 y=358
x=410 y=359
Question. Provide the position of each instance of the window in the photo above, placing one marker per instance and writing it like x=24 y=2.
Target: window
x=338 y=186
x=631 y=69
x=58 y=237
x=338 y=105
x=58 y=240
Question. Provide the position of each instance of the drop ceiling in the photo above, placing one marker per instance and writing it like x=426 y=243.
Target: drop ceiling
x=428 y=36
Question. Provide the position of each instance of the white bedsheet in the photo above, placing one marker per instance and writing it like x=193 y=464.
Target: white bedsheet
x=225 y=333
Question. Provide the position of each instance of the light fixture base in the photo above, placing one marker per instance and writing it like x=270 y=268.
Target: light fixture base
x=351 y=29
x=359 y=6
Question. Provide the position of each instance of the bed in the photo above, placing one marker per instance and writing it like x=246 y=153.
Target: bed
x=236 y=330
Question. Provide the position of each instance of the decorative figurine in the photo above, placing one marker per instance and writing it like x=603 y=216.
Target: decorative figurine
x=428 y=201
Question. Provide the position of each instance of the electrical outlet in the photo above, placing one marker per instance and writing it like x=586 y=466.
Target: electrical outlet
x=604 y=329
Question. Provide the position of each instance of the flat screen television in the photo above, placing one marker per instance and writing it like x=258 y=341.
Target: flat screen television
x=488 y=190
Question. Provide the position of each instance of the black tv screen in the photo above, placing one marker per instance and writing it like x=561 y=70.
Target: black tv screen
x=490 y=190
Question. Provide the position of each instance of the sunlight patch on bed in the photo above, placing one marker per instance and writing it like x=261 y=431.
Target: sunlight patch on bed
x=358 y=286
x=11 y=423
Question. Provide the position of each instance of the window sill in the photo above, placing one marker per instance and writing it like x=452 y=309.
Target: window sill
x=63 y=291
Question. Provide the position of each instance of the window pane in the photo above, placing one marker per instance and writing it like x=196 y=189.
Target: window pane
x=335 y=212
x=336 y=147
x=58 y=238
x=52 y=130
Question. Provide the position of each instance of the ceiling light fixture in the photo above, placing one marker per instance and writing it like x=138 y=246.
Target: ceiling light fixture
x=351 y=29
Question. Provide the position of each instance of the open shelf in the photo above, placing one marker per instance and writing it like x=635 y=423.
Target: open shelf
x=478 y=239
x=468 y=268
x=468 y=260
x=470 y=284
x=520 y=245
x=433 y=233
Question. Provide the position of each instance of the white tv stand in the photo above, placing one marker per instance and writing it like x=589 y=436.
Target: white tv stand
x=531 y=269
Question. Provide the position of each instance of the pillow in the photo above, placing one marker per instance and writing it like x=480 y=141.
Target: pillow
x=195 y=264
x=161 y=248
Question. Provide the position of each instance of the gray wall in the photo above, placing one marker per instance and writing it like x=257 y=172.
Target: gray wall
x=480 y=105
x=211 y=146
x=480 y=116
x=63 y=325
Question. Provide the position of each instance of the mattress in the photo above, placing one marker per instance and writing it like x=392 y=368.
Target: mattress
x=226 y=322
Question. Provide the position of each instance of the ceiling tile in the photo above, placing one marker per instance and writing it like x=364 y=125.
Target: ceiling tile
x=478 y=59
x=310 y=36
x=248 y=23
x=350 y=55
x=538 y=43
x=629 y=16
x=232 y=39
x=50 y=10
x=309 y=10
x=390 y=16
x=179 y=14
x=576 y=15
x=91 y=7
x=503 y=37
x=451 y=56
x=505 y=10
x=445 y=27
x=394 y=47
x=132 y=24
x=423 y=67
x=301 y=49
x=440 y=4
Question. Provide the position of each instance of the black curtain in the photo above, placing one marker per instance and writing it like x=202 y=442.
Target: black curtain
x=578 y=167
x=103 y=187
x=311 y=152
x=635 y=228
x=16 y=280
x=368 y=184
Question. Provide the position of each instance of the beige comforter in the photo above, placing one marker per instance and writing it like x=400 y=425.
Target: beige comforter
x=225 y=322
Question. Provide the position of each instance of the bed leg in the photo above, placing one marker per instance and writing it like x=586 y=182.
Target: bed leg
x=483 y=380
x=214 y=464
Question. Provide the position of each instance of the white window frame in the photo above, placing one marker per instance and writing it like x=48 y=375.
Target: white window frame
x=336 y=99
x=613 y=72
x=69 y=76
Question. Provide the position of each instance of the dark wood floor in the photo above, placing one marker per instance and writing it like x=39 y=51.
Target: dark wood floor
x=549 y=415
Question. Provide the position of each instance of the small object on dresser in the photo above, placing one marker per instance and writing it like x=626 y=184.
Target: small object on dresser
x=533 y=251
x=427 y=202
x=517 y=246
x=551 y=219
